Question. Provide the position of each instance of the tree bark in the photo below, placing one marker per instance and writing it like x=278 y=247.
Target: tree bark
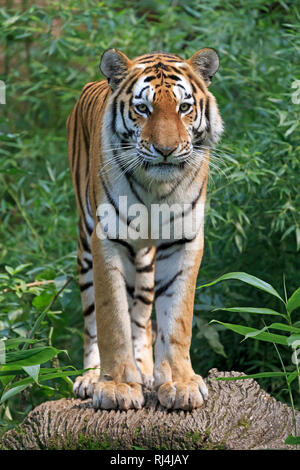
x=238 y=415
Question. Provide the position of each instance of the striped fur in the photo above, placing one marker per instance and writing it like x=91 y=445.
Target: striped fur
x=144 y=133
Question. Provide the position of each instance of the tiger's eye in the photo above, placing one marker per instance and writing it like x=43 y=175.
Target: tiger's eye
x=142 y=108
x=184 y=107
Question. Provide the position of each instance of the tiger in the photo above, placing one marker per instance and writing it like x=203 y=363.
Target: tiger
x=144 y=133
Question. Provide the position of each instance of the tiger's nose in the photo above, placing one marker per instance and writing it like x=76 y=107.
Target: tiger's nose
x=164 y=151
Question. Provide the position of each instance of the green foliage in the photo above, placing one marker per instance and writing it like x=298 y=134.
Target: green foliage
x=290 y=372
x=26 y=331
x=51 y=50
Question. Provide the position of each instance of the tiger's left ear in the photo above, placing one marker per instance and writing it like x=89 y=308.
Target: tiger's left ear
x=114 y=65
x=205 y=63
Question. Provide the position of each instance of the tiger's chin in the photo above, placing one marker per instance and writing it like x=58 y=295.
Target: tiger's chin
x=162 y=172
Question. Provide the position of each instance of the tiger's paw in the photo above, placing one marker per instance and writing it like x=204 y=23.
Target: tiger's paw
x=183 y=395
x=84 y=385
x=111 y=395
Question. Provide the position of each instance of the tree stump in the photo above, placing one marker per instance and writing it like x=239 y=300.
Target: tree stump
x=237 y=415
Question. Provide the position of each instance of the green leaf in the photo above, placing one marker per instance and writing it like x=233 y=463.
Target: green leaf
x=9 y=372
x=292 y=376
x=259 y=311
x=294 y=339
x=13 y=391
x=31 y=357
x=248 y=279
x=12 y=343
x=283 y=327
x=49 y=376
x=262 y=336
x=41 y=301
x=294 y=301
x=211 y=335
x=33 y=371
x=293 y=440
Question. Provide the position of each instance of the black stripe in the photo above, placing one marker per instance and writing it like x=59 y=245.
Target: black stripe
x=123 y=243
x=196 y=110
x=175 y=69
x=201 y=113
x=73 y=156
x=87 y=87
x=122 y=106
x=88 y=262
x=174 y=77
x=164 y=287
x=88 y=205
x=85 y=286
x=92 y=100
x=138 y=324
x=198 y=83
x=166 y=195
x=111 y=200
x=193 y=86
x=146 y=61
x=89 y=229
x=145 y=269
x=148 y=79
x=86 y=331
x=207 y=115
x=88 y=267
x=130 y=177
x=147 y=289
x=166 y=256
x=173 y=60
x=85 y=245
x=141 y=92
x=148 y=268
x=114 y=115
x=89 y=310
x=109 y=197
x=146 y=56
x=143 y=299
x=182 y=241
x=130 y=289
x=129 y=89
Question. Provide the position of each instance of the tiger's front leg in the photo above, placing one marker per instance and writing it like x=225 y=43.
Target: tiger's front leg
x=176 y=273
x=120 y=380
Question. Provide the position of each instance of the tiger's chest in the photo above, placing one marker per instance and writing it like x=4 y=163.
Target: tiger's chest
x=145 y=214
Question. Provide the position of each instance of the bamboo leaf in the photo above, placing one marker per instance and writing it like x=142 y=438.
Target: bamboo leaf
x=31 y=357
x=258 y=311
x=294 y=301
x=248 y=279
x=33 y=371
x=261 y=336
x=13 y=391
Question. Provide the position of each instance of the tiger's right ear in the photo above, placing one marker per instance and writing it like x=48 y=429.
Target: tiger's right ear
x=114 y=65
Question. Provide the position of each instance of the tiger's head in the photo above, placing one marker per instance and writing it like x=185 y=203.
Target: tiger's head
x=160 y=104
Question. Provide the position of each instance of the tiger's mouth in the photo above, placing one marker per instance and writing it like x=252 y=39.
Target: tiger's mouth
x=171 y=163
x=164 y=165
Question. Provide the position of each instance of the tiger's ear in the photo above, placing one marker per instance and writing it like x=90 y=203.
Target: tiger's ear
x=205 y=63
x=114 y=65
